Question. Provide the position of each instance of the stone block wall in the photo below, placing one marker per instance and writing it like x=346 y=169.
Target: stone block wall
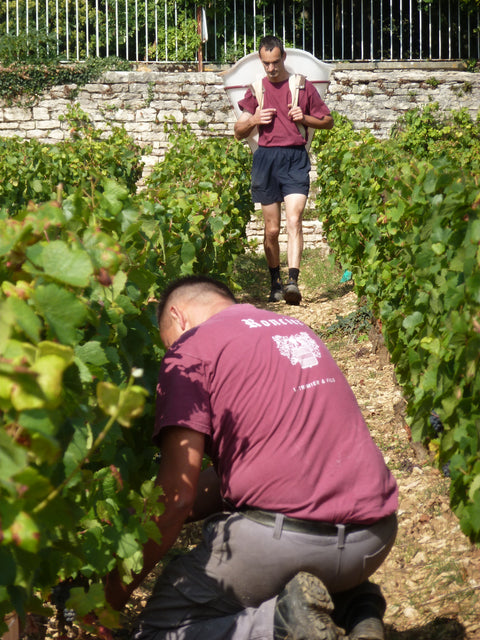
x=370 y=95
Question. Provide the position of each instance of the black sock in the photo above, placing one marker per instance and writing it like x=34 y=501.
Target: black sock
x=275 y=276
x=293 y=274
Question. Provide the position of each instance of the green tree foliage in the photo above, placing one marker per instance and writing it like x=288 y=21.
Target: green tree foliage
x=80 y=349
x=403 y=216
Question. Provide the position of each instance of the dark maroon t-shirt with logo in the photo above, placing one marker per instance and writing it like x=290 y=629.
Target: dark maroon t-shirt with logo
x=281 y=422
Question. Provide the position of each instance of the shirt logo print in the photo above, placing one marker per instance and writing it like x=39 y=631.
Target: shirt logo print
x=299 y=349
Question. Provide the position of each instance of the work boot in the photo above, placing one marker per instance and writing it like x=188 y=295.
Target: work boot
x=276 y=292
x=292 y=293
x=303 y=611
x=365 y=619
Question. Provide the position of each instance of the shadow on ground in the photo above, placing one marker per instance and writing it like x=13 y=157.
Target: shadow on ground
x=438 y=629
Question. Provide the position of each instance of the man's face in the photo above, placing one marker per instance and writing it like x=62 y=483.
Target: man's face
x=273 y=63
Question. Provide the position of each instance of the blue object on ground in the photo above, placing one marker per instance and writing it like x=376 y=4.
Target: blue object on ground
x=347 y=275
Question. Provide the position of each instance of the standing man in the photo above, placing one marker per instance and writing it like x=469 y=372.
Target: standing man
x=299 y=504
x=281 y=166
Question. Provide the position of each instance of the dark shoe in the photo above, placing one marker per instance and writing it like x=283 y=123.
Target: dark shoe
x=365 y=619
x=303 y=611
x=368 y=629
x=292 y=293
x=276 y=294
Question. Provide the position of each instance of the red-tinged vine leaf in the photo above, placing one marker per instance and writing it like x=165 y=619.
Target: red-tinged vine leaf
x=23 y=533
x=124 y=404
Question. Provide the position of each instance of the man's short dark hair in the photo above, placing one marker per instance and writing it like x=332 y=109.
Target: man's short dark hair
x=270 y=42
x=206 y=283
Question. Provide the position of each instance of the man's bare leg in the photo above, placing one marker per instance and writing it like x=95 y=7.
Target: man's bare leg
x=294 y=207
x=271 y=217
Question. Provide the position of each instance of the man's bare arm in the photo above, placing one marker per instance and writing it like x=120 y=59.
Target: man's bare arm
x=248 y=121
x=297 y=115
x=178 y=475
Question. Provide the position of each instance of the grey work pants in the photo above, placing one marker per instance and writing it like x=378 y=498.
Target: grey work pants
x=226 y=588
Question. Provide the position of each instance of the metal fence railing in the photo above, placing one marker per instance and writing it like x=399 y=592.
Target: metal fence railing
x=223 y=32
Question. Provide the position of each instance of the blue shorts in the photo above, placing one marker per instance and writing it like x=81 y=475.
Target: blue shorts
x=278 y=172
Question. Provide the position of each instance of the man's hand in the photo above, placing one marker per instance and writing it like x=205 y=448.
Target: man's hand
x=248 y=121
x=264 y=116
x=296 y=114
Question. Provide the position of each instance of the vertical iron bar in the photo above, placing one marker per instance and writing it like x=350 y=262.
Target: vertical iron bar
x=146 y=30
x=97 y=30
x=313 y=29
x=136 y=30
x=215 y=30
x=352 y=41
x=439 y=30
x=323 y=29
x=391 y=30
x=459 y=32
x=77 y=28
x=420 y=27
x=87 y=31
x=371 y=29
x=166 y=34
x=67 y=31
x=235 y=27
x=225 y=29
x=361 y=28
x=116 y=29
x=245 y=25
x=155 y=13
x=430 y=32
x=401 y=31
x=449 y=31
x=176 y=32
x=127 y=48
x=293 y=24
x=107 y=47
x=410 y=15
x=283 y=22
x=381 y=30
x=332 y=18
x=303 y=25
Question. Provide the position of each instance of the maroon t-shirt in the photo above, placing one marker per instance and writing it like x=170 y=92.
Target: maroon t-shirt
x=282 y=131
x=282 y=424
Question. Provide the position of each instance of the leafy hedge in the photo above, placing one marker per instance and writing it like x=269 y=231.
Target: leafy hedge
x=403 y=215
x=33 y=171
x=80 y=355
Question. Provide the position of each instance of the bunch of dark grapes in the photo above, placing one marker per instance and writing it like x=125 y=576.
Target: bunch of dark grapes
x=446 y=469
x=59 y=597
x=436 y=423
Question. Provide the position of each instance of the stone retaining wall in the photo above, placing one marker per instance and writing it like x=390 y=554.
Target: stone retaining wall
x=370 y=95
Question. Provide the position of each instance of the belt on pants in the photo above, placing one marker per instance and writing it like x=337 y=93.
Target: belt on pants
x=270 y=519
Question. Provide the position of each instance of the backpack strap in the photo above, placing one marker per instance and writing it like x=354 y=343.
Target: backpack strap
x=258 y=90
x=296 y=82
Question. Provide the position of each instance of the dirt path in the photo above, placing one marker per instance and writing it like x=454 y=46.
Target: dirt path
x=432 y=577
